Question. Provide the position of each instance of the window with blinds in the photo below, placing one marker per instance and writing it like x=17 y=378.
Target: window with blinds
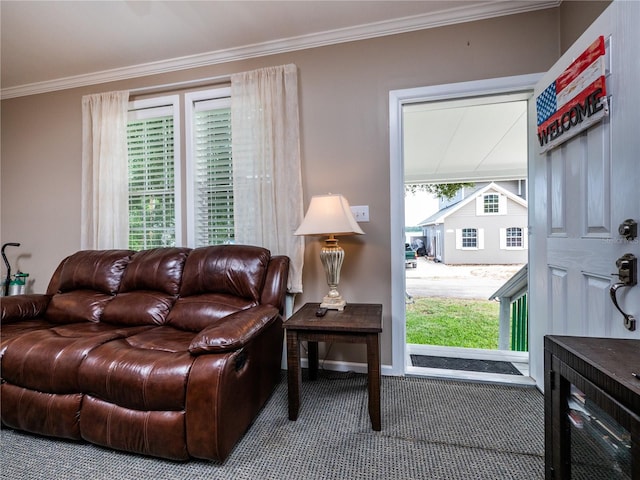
x=152 y=138
x=210 y=170
x=156 y=192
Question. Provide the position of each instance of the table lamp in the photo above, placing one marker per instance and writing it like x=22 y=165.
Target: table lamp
x=330 y=215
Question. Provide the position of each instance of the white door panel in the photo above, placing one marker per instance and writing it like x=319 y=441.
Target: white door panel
x=580 y=192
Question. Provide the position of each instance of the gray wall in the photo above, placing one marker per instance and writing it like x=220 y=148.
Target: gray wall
x=345 y=141
x=491 y=253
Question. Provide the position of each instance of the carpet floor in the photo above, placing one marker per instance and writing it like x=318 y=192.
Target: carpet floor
x=431 y=429
x=466 y=364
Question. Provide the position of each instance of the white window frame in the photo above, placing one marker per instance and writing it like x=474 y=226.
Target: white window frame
x=485 y=197
x=220 y=96
x=502 y=204
x=473 y=239
x=159 y=106
x=479 y=238
x=503 y=239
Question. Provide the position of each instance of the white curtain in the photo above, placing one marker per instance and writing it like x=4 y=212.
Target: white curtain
x=105 y=216
x=266 y=163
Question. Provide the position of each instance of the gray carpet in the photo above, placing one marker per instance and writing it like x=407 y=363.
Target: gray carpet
x=431 y=429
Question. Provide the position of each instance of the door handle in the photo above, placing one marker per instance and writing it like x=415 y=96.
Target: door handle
x=628 y=277
x=629 y=320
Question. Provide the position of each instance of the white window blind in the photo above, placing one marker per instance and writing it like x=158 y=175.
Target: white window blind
x=210 y=173
x=152 y=136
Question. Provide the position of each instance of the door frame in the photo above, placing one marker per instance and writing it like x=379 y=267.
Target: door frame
x=397 y=100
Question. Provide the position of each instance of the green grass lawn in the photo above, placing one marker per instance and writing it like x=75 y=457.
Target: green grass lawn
x=453 y=322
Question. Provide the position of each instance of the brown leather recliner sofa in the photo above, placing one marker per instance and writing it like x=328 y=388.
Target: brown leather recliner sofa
x=169 y=352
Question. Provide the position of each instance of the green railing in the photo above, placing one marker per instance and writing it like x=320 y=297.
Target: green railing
x=519 y=325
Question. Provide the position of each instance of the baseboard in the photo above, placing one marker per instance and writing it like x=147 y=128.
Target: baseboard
x=477 y=353
x=356 y=367
x=470 y=376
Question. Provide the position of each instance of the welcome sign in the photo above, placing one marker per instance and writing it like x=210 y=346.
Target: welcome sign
x=575 y=101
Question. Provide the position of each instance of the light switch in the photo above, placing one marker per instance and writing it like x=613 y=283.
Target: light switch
x=360 y=213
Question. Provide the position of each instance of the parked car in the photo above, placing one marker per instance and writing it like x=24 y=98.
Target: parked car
x=410 y=257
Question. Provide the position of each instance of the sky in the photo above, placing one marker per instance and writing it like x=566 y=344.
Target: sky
x=418 y=206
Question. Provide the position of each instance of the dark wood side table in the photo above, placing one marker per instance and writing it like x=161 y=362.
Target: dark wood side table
x=592 y=407
x=357 y=323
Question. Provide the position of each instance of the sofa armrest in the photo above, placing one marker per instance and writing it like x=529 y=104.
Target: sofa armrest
x=22 y=307
x=234 y=331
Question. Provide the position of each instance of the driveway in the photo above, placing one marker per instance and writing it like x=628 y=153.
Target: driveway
x=431 y=279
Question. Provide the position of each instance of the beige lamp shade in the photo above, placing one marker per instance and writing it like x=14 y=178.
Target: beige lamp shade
x=329 y=215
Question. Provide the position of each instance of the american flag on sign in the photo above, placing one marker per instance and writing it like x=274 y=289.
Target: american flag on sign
x=558 y=106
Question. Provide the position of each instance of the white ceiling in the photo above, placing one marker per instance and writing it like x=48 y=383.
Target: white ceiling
x=472 y=139
x=50 y=45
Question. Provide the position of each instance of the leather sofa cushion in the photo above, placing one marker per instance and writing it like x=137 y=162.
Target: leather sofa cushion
x=228 y=269
x=42 y=413
x=99 y=270
x=197 y=312
x=159 y=269
x=11 y=331
x=140 y=375
x=138 y=308
x=48 y=360
x=88 y=280
x=148 y=433
x=164 y=339
x=77 y=306
x=149 y=288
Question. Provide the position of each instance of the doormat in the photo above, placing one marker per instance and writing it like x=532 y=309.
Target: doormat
x=466 y=364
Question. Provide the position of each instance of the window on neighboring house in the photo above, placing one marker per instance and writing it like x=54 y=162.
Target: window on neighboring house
x=514 y=237
x=469 y=238
x=153 y=152
x=156 y=191
x=491 y=203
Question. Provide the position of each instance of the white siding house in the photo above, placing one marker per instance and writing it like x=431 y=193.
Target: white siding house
x=489 y=226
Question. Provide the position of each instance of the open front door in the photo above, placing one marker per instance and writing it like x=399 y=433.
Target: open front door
x=581 y=193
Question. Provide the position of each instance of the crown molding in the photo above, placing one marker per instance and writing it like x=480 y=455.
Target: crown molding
x=452 y=16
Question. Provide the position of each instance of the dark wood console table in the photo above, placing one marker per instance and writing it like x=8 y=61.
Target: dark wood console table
x=592 y=408
x=357 y=323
